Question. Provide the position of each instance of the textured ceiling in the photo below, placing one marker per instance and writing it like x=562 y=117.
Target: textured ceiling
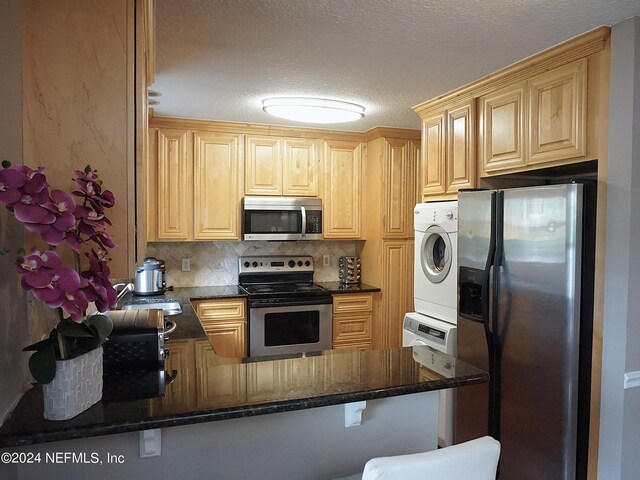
x=217 y=59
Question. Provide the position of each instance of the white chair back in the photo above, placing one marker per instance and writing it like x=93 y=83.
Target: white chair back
x=472 y=460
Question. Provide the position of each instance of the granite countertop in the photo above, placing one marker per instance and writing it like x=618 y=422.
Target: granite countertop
x=208 y=387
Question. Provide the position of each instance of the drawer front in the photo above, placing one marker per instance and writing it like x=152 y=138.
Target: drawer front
x=352 y=328
x=352 y=303
x=221 y=309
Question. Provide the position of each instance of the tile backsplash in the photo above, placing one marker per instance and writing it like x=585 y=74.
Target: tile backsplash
x=216 y=263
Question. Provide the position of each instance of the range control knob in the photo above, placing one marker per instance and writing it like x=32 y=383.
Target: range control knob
x=299 y=263
x=255 y=264
x=292 y=263
x=307 y=263
x=246 y=264
x=450 y=215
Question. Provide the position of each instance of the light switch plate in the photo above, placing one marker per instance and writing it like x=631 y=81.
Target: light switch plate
x=186 y=265
x=326 y=261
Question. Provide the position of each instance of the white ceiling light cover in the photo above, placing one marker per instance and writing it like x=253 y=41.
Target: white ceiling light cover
x=313 y=110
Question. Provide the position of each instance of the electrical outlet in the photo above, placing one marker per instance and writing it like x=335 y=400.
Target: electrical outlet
x=186 y=265
x=326 y=261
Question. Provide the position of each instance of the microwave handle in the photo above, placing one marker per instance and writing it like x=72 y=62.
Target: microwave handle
x=304 y=222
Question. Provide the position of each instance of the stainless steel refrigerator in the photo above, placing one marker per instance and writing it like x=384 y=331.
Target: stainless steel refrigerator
x=525 y=284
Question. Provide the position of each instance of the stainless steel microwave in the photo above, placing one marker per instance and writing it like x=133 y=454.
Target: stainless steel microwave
x=281 y=218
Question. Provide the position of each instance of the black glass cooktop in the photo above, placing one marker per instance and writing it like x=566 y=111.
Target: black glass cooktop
x=274 y=289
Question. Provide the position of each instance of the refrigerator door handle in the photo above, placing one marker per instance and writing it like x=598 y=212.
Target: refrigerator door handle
x=488 y=300
x=495 y=357
x=486 y=285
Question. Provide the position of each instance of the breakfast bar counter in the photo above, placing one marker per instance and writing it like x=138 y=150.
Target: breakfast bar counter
x=208 y=387
x=291 y=413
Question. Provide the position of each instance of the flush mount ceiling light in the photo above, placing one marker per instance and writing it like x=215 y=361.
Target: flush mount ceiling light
x=313 y=110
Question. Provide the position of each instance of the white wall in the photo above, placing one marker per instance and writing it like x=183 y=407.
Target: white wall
x=620 y=409
x=307 y=444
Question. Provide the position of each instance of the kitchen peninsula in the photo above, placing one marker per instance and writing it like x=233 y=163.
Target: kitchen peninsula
x=305 y=394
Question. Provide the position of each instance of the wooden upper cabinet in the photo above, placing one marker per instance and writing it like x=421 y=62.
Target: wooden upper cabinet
x=342 y=190
x=217 y=187
x=558 y=113
x=448 y=150
x=502 y=128
x=398 y=194
x=195 y=185
x=281 y=166
x=461 y=147
x=432 y=169
x=263 y=166
x=174 y=192
x=300 y=167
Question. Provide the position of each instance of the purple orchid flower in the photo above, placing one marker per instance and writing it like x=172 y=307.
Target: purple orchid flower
x=55 y=215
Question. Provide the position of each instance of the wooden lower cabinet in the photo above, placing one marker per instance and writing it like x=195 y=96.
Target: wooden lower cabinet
x=352 y=321
x=225 y=323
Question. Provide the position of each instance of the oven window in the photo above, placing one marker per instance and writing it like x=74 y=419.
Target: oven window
x=273 y=221
x=291 y=328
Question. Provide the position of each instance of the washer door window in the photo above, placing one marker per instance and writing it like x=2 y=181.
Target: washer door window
x=436 y=254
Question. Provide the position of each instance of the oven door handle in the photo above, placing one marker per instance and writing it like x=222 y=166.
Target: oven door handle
x=304 y=222
x=291 y=303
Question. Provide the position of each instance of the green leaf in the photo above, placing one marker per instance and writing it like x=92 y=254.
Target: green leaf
x=42 y=364
x=69 y=328
x=103 y=326
x=38 y=345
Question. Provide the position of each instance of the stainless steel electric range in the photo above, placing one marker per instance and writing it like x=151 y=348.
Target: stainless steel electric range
x=288 y=313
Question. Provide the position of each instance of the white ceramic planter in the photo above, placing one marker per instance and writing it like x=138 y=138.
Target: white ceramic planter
x=76 y=386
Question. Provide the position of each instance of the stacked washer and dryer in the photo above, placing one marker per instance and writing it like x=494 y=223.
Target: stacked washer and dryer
x=435 y=294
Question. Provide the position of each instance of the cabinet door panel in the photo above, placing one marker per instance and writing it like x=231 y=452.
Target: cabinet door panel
x=360 y=302
x=342 y=202
x=394 y=291
x=415 y=156
x=432 y=166
x=353 y=328
x=263 y=166
x=558 y=114
x=217 y=186
x=461 y=146
x=300 y=168
x=502 y=128
x=227 y=309
x=228 y=339
x=397 y=190
x=174 y=192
